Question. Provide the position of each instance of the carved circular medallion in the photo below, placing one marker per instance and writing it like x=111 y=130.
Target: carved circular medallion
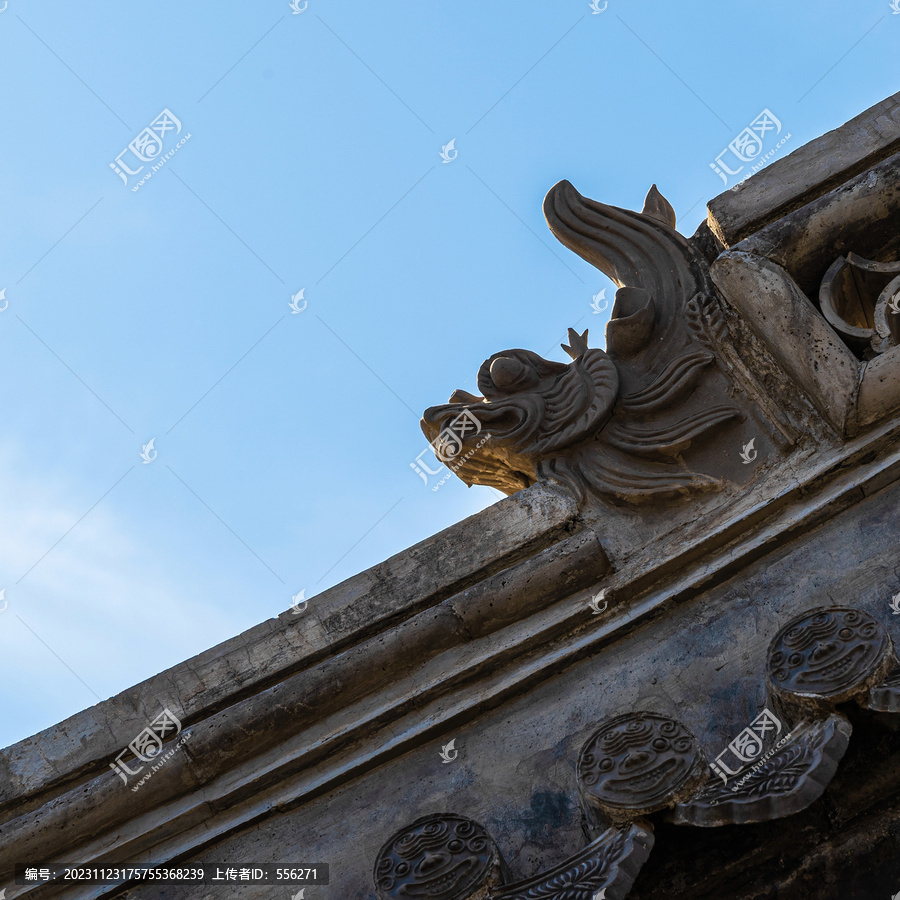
x=827 y=653
x=638 y=761
x=441 y=857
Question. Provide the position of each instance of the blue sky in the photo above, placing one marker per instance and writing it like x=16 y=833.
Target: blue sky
x=284 y=440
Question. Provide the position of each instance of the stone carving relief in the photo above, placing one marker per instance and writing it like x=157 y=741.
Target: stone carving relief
x=828 y=656
x=640 y=763
x=439 y=858
x=781 y=784
x=447 y=857
x=606 y=868
x=629 y=423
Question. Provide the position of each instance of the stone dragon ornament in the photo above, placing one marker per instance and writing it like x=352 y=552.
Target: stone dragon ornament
x=622 y=423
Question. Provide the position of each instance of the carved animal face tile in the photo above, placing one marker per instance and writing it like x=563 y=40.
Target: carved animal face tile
x=827 y=653
x=638 y=761
x=437 y=858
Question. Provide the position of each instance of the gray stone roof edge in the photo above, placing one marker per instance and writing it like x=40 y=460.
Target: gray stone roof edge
x=347 y=613
x=804 y=174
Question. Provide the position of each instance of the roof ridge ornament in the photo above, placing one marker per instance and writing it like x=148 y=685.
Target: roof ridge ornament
x=631 y=423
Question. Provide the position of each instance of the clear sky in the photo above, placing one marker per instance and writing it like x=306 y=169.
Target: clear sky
x=283 y=440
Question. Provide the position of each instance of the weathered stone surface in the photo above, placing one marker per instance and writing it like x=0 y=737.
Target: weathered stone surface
x=607 y=867
x=364 y=673
x=793 y=330
x=850 y=295
x=715 y=642
x=859 y=216
x=879 y=392
x=810 y=171
x=424 y=574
